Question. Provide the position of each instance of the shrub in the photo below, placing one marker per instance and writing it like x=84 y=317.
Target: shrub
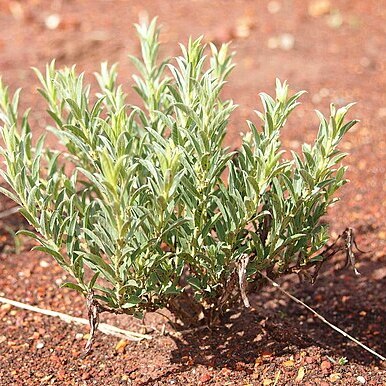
x=146 y=208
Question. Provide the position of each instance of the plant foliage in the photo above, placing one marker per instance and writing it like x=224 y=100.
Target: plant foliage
x=146 y=208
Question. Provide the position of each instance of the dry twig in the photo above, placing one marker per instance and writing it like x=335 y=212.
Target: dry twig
x=103 y=327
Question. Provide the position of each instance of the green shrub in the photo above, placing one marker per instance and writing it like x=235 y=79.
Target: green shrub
x=146 y=209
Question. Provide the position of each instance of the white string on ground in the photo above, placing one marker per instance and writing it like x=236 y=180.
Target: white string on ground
x=103 y=327
x=323 y=319
x=9 y=212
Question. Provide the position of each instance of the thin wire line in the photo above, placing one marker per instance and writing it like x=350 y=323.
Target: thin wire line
x=323 y=319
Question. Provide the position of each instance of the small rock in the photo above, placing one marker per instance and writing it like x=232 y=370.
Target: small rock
x=52 y=21
x=225 y=371
x=86 y=376
x=34 y=336
x=379 y=274
x=324 y=92
x=335 y=19
x=319 y=8
x=243 y=28
x=365 y=62
x=39 y=345
x=44 y=264
x=205 y=378
x=334 y=377
x=273 y=43
x=273 y=7
x=325 y=365
x=5 y=307
x=286 y=42
x=46 y=378
x=16 y=10
x=79 y=336
x=361 y=379
x=382 y=234
x=316 y=99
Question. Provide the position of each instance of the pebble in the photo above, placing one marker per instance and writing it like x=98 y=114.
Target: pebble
x=5 y=307
x=243 y=28
x=39 y=345
x=361 y=379
x=205 y=378
x=52 y=21
x=335 y=19
x=273 y=7
x=285 y=41
x=325 y=365
x=334 y=377
x=318 y=8
x=44 y=264
x=16 y=10
x=86 y=376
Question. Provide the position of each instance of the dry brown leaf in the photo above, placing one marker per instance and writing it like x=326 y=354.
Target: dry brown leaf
x=121 y=345
x=288 y=363
x=334 y=377
x=301 y=373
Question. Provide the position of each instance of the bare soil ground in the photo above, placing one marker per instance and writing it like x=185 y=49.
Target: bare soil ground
x=333 y=49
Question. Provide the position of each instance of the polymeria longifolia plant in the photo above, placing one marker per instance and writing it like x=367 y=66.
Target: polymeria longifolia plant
x=146 y=208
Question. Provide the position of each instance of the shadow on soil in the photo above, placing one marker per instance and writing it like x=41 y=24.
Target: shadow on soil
x=277 y=326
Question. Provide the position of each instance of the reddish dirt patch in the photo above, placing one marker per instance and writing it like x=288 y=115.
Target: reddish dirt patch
x=337 y=56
